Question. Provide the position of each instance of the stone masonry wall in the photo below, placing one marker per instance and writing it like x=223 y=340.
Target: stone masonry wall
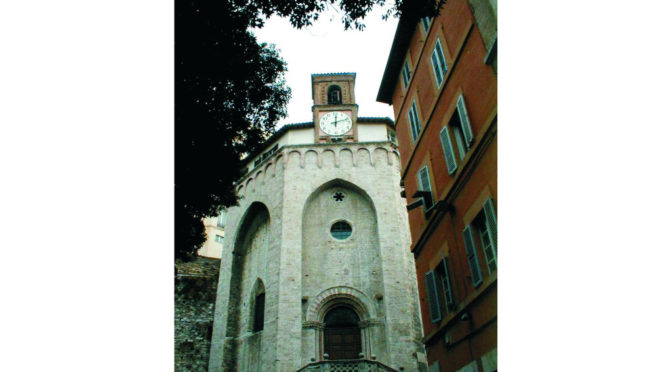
x=195 y=292
x=382 y=280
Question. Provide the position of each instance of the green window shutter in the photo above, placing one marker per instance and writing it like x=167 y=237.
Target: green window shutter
x=491 y=221
x=441 y=58
x=449 y=291
x=432 y=297
x=448 y=153
x=414 y=121
x=406 y=72
x=437 y=71
x=472 y=258
x=425 y=185
x=425 y=23
x=464 y=120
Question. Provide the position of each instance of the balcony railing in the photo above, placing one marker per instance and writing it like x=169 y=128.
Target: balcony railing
x=357 y=365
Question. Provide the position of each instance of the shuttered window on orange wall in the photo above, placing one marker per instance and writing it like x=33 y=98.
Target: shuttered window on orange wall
x=445 y=282
x=489 y=235
x=425 y=185
x=464 y=120
x=439 y=64
x=414 y=120
x=472 y=257
x=406 y=74
x=448 y=153
x=432 y=297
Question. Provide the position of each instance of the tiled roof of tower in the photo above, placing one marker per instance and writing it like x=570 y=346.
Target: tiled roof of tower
x=334 y=73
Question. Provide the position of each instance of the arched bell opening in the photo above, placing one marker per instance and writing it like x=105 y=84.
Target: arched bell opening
x=334 y=96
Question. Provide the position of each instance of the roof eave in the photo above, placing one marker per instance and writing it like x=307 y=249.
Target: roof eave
x=400 y=43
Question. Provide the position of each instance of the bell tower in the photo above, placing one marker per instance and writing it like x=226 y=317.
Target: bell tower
x=334 y=107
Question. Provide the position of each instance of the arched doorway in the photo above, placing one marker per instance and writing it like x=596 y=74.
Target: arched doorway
x=342 y=336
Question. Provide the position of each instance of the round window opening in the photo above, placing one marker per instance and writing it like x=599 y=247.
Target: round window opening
x=341 y=230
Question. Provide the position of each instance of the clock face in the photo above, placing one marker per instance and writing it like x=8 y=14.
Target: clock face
x=335 y=123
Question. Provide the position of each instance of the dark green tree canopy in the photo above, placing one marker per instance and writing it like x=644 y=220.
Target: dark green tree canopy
x=229 y=93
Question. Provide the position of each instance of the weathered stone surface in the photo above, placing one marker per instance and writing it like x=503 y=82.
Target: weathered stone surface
x=195 y=293
x=280 y=235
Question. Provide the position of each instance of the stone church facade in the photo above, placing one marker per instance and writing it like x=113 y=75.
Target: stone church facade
x=316 y=269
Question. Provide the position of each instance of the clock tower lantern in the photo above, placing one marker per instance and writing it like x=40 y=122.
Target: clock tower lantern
x=334 y=108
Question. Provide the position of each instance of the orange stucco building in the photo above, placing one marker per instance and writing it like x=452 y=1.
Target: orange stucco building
x=441 y=80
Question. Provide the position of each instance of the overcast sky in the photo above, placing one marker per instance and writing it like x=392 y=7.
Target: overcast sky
x=326 y=47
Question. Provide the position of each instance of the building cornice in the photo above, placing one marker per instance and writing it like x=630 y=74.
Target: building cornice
x=400 y=44
x=283 y=149
x=309 y=124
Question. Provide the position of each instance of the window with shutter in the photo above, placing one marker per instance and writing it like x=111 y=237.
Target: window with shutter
x=414 y=120
x=439 y=65
x=445 y=291
x=424 y=184
x=448 y=154
x=491 y=221
x=486 y=225
x=406 y=74
x=472 y=258
x=448 y=291
x=426 y=21
x=455 y=125
x=432 y=297
x=464 y=120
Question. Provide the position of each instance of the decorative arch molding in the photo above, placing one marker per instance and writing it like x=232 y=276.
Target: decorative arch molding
x=245 y=224
x=340 y=295
x=341 y=183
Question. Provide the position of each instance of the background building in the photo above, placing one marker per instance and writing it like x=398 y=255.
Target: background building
x=214 y=229
x=441 y=80
x=316 y=267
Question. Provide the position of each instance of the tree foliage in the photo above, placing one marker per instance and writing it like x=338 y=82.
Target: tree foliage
x=229 y=93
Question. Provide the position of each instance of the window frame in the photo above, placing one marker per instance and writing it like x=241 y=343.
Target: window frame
x=338 y=233
x=259 y=312
x=472 y=256
x=447 y=288
x=429 y=185
x=463 y=114
x=448 y=153
x=413 y=114
x=219 y=239
x=221 y=219
x=432 y=297
x=487 y=227
x=428 y=26
x=439 y=68
x=406 y=70
x=487 y=247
